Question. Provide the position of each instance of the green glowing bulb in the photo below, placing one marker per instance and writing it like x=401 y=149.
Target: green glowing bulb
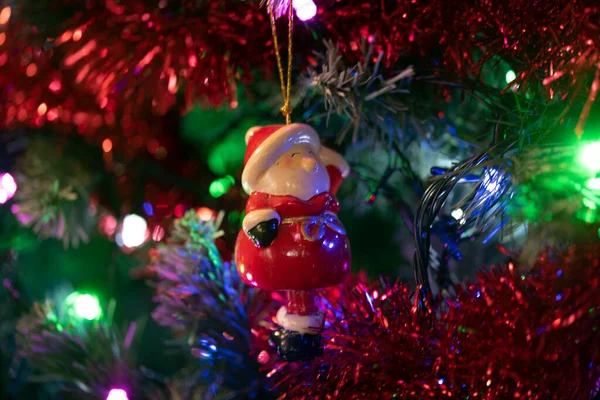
x=220 y=186
x=87 y=306
x=593 y=184
x=590 y=156
x=217 y=189
x=510 y=76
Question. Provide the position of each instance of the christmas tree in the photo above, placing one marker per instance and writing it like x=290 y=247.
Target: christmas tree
x=171 y=171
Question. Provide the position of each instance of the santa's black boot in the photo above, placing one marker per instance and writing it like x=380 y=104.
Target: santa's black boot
x=295 y=346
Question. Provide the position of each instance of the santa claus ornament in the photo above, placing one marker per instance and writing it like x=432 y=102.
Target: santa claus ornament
x=291 y=238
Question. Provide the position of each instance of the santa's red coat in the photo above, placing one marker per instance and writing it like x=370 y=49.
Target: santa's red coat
x=294 y=261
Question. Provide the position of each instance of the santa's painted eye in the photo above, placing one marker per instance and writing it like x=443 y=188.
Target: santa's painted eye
x=293 y=154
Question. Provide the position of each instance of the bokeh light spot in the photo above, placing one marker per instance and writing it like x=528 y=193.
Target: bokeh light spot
x=42 y=108
x=305 y=9
x=220 y=186
x=5 y=15
x=8 y=187
x=85 y=305
x=148 y=209
x=55 y=85
x=31 y=70
x=117 y=394
x=457 y=214
x=134 y=230
x=510 y=76
x=107 y=145
x=593 y=184
x=590 y=156
x=205 y=213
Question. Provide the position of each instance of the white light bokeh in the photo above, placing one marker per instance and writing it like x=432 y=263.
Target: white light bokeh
x=8 y=187
x=133 y=232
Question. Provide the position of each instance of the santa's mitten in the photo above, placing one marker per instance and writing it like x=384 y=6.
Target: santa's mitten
x=262 y=226
x=264 y=233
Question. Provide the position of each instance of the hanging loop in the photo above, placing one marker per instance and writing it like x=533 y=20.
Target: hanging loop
x=286 y=87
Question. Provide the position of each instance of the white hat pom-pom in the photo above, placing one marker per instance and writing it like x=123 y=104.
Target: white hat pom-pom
x=330 y=157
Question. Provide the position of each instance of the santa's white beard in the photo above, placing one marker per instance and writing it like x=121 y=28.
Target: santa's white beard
x=297 y=182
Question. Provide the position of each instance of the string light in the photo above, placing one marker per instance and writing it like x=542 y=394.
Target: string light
x=491 y=180
x=8 y=187
x=590 y=156
x=84 y=305
x=5 y=15
x=148 y=209
x=88 y=307
x=220 y=186
x=107 y=145
x=107 y=224
x=205 y=213
x=305 y=9
x=510 y=76
x=31 y=70
x=55 y=85
x=134 y=231
x=42 y=108
x=117 y=394
x=593 y=184
x=457 y=214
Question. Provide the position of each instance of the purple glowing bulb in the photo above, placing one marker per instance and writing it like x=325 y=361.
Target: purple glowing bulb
x=117 y=394
x=305 y=9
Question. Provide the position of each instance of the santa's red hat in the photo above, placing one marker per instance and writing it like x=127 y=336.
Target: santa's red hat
x=265 y=144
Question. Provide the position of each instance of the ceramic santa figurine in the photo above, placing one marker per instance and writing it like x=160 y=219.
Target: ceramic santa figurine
x=291 y=238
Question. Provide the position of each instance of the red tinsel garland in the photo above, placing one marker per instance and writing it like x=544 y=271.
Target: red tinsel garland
x=35 y=93
x=553 y=46
x=136 y=52
x=128 y=55
x=507 y=335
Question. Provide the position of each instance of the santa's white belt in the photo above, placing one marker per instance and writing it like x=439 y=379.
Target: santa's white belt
x=326 y=219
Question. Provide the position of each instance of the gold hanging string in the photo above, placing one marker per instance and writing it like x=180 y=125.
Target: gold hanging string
x=286 y=88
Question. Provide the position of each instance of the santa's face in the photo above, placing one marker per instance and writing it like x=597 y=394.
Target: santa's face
x=298 y=172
